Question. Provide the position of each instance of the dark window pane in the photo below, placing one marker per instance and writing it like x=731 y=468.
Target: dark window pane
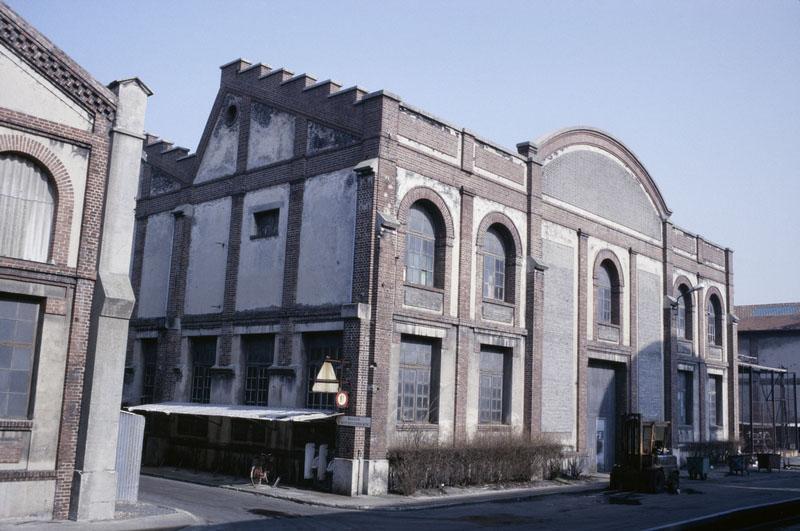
x=420 y=247
x=149 y=356
x=204 y=353
x=491 y=389
x=266 y=223
x=414 y=381
x=17 y=350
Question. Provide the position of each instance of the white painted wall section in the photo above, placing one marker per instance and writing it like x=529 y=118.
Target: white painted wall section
x=208 y=256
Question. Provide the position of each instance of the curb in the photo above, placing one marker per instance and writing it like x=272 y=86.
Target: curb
x=454 y=501
x=177 y=519
x=751 y=511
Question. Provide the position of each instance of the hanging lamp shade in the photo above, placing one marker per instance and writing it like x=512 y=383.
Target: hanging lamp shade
x=326 y=381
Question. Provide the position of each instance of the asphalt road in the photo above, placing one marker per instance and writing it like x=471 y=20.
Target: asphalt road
x=224 y=509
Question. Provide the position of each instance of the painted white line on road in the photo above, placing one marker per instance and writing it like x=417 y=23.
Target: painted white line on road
x=759 y=488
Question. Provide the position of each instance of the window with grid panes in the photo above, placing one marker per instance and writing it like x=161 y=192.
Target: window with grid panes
x=494 y=266
x=318 y=347
x=417 y=381
x=149 y=357
x=684 y=317
x=685 y=397
x=204 y=353
x=491 y=395
x=715 y=400
x=19 y=324
x=714 y=321
x=605 y=296
x=420 y=247
x=258 y=352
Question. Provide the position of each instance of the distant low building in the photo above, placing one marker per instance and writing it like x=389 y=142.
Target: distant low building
x=769 y=364
x=70 y=152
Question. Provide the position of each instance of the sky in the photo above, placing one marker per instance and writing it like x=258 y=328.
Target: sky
x=705 y=93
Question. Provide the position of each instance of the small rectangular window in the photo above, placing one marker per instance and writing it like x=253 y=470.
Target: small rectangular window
x=493 y=395
x=266 y=223
x=685 y=397
x=258 y=350
x=204 y=354
x=418 y=381
x=715 y=400
x=149 y=357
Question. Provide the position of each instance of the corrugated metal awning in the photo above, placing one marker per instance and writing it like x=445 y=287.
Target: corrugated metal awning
x=236 y=411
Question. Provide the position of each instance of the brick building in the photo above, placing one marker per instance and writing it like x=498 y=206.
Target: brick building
x=70 y=151
x=466 y=289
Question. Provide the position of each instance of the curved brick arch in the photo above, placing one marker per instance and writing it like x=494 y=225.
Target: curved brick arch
x=65 y=197
x=498 y=218
x=423 y=193
x=681 y=280
x=608 y=254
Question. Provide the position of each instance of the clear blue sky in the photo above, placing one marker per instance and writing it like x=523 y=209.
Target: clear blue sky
x=707 y=94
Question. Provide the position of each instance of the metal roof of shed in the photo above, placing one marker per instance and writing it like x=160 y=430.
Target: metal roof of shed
x=235 y=411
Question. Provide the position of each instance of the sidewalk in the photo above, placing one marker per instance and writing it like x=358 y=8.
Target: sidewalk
x=449 y=497
x=128 y=517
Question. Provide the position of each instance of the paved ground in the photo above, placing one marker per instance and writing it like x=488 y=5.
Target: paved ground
x=225 y=509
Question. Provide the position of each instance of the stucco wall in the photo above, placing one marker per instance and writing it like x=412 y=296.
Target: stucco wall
x=559 y=363
x=325 y=268
x=24 y=90
x=152 y=296
x=271 y=136
x=208 y=255
x=219 y=157
x=261 y=260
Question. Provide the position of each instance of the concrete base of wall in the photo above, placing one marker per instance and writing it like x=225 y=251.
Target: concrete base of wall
x=31 y=499
x=94 y=495
x=353 y=477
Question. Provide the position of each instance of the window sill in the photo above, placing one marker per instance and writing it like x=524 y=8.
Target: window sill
x=16 y=424
x=409 y=426
x=424 y=287
x=495 y=427
x=255 y=237
x=499 y=302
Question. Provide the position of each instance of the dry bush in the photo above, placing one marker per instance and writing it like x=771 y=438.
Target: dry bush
x=418 y=463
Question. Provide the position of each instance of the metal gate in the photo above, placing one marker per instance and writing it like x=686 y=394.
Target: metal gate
x=129 y=456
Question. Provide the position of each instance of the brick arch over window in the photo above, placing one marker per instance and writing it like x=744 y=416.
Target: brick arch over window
x=444 y=231
x=62 y=226
x=719 y=321
x=688 y=308
x=603 y=329
x=514 y=251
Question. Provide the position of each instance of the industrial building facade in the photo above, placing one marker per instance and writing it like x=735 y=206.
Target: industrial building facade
x=461 y=288
x=70 y=152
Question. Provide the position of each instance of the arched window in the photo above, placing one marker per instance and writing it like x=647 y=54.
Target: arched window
x=607 y=294
x=684 y=317
x=420 y=246
x=27 y=204
x=494 y=265
x=714 y=320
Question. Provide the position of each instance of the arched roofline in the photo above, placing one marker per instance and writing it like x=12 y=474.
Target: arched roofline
x=549 y=144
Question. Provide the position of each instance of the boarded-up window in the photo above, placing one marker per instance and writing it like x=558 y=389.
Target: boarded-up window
x=27 y=203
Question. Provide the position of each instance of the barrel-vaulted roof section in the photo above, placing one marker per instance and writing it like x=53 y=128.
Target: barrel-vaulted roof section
x=588 y=136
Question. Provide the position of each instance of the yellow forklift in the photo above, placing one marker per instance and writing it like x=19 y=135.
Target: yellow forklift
x=646 y=460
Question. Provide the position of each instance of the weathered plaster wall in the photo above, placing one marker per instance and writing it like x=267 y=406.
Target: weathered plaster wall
x=208 y=254
x=261 y=260
x=271 y=136
x=325 y=267
x=152 y=296
x=219 y=157
x=24 y=90
x=559 y=363
x=649 y=334
x=76 y=161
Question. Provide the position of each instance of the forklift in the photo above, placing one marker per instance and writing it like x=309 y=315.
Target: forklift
x=646 y=460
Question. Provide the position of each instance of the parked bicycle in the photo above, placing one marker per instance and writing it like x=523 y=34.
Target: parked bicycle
x=263 y=466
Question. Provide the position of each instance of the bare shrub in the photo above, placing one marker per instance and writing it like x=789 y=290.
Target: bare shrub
x=418 y=463
x=574 y=467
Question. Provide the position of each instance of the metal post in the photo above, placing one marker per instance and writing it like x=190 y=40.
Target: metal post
x=796 y=429
x=752 y=439
x=772 y=397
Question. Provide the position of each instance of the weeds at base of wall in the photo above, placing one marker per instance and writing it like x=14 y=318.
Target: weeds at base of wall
x=418 y=464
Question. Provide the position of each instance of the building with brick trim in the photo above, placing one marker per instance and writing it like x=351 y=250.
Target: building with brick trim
x=463 y=289
x=70 y=151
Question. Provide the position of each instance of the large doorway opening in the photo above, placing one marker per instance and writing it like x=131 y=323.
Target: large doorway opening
x=607 y=399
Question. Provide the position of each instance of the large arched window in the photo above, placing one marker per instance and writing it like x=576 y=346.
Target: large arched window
x=420 y=246
x=495 y=254
x=607 y=290
x=684 y=317
x=714 y=321
x=27 y=205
